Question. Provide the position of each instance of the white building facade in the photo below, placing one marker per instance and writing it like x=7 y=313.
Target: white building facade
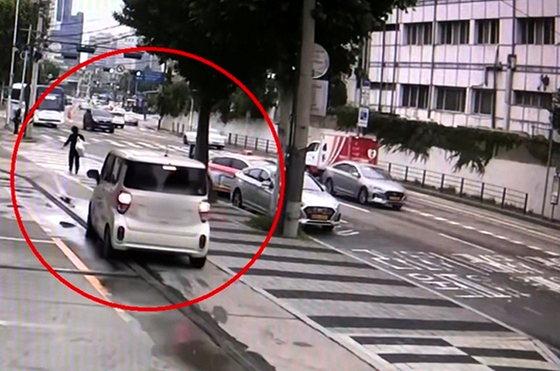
x=478 y=63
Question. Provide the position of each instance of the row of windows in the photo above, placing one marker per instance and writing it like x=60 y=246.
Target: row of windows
x=530 y=31
x=454 y=99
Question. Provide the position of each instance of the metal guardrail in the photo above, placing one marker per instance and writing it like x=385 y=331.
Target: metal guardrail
x=452 y=185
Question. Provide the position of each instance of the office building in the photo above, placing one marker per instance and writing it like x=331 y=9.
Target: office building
x=66 y=30
x=103 y=42
x=492 y=64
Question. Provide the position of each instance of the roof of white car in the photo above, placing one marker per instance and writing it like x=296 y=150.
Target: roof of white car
x=157 y=157
x=357 y=163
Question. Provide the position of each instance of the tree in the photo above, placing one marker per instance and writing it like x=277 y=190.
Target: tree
x=209 y=29
x=48 y=71
x=7 y=14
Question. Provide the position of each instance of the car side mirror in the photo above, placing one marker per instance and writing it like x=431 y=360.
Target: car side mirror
x=267 y=184
x=93 y=174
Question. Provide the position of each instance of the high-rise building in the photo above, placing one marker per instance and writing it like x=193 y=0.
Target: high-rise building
x=124 y=41
x=66 y=29
x=471 y=63
x=103 y=42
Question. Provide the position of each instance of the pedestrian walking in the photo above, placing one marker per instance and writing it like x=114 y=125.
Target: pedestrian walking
x=75 y=140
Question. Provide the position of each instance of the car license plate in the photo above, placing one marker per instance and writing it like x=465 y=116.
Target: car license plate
x=394 y=198
x=319 y=217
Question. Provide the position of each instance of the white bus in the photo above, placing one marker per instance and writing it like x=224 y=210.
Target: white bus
x=51 y=111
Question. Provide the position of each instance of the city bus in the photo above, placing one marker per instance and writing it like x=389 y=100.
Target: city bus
x=51 y=111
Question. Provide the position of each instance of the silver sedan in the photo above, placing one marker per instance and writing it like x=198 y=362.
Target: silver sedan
x=253 y=188
x=364 y=182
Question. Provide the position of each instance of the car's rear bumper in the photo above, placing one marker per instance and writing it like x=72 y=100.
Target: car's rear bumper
x=186 y=243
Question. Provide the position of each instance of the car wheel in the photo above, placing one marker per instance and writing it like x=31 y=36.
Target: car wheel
x=328 y=228
x=107 y=248
x=111 y=131
x=219 y=148
x=237 y=199
x=397 y=207
x=90 y=231
x=197 y=263
x=362 y=196
x=185 y=141
x=329 y=186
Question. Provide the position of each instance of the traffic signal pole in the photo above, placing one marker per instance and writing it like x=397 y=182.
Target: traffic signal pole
x=296 y=167
x=554 y=113
x=34 y=75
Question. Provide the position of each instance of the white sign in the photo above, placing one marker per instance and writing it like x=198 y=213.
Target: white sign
x=321 y=62
x=363 y=117
x=120 y=68
x=372 y=153
x=319 y=97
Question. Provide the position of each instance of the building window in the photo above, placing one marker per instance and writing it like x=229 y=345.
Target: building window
x=418 y=33
x=454 y=32
x=536 y=31
x=386 y=86
x=532 y=99
x=483 y=101
x=415 y=96
x=488 y=31
x=451 y=99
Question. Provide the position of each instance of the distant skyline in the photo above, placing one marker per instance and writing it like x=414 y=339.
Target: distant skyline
x=98 y=16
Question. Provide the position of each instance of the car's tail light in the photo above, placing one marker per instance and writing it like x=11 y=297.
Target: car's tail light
x=203 y=211
x=123 y=202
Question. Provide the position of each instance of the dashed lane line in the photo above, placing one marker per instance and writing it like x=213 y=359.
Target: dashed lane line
x=484 y=232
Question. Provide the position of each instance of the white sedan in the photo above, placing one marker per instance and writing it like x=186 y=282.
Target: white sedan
x=215 y=139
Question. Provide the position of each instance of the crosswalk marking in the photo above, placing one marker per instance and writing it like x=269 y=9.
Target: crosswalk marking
x=117 y=144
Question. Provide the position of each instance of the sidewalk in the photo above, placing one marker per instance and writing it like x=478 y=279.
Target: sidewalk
x=304 y=306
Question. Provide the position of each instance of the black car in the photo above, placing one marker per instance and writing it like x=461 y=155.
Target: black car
x=101 y=120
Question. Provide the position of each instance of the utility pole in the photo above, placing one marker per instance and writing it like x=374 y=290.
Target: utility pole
x=22 y=92
x=554 y=122
x=296 y=168
x=13 y=63
x=34 y=70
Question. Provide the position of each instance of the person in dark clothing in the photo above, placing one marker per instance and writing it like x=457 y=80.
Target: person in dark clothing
x=88 y=117
x=73 y=155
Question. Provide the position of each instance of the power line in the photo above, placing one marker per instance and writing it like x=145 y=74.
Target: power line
x=89 y=32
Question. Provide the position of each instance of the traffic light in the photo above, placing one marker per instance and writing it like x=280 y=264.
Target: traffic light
x=134 y=55
x=85 y=49
x=71 y=56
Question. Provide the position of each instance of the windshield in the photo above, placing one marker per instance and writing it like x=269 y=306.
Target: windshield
x=160 y=178
x=119 y=114
x=310 y=184
x=52 y=103
x=15 y=94
x=371 y=172
x=101 y=113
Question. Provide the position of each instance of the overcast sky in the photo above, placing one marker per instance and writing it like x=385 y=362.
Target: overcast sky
x=98 y=16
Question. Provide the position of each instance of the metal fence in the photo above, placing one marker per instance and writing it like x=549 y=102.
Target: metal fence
x=453 y=185
x=252 y=143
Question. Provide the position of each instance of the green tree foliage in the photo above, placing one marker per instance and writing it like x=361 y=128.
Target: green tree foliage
x=48 y=71
x=468 y=147
x=208 y=28
x=7 y=13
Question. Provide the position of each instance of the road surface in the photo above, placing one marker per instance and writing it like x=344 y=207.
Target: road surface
x=415 y=274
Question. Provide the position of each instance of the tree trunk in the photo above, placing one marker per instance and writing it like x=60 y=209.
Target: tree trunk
x=201 y=146
x=285 y=105
x=159 y=122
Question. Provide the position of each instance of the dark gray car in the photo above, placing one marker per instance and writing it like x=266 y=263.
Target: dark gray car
x=364 y=182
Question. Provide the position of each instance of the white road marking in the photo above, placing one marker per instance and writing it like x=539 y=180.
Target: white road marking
x=133 y=145
x=20 y=239
x=467 y=243
x=552 y=253
x=440 y=219
x=534 y=248
x=148 y=145
x=533 y=311
x=355 y=207
x=468 y=227
x=117 y=144
x=452 y=222
x=487 y=233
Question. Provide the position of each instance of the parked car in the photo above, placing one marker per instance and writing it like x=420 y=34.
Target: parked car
x=147 y=200
x=253 y=190
x=223 y=167
x=215 y=139
x=101 y=120
x=364 y=182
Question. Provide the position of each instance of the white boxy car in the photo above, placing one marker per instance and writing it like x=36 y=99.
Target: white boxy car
x=215 y=139
x=147 y=200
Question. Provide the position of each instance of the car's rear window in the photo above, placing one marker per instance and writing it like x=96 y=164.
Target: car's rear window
x=165 y=179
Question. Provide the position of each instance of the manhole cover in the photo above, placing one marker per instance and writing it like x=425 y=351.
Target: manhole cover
x=67 y=225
